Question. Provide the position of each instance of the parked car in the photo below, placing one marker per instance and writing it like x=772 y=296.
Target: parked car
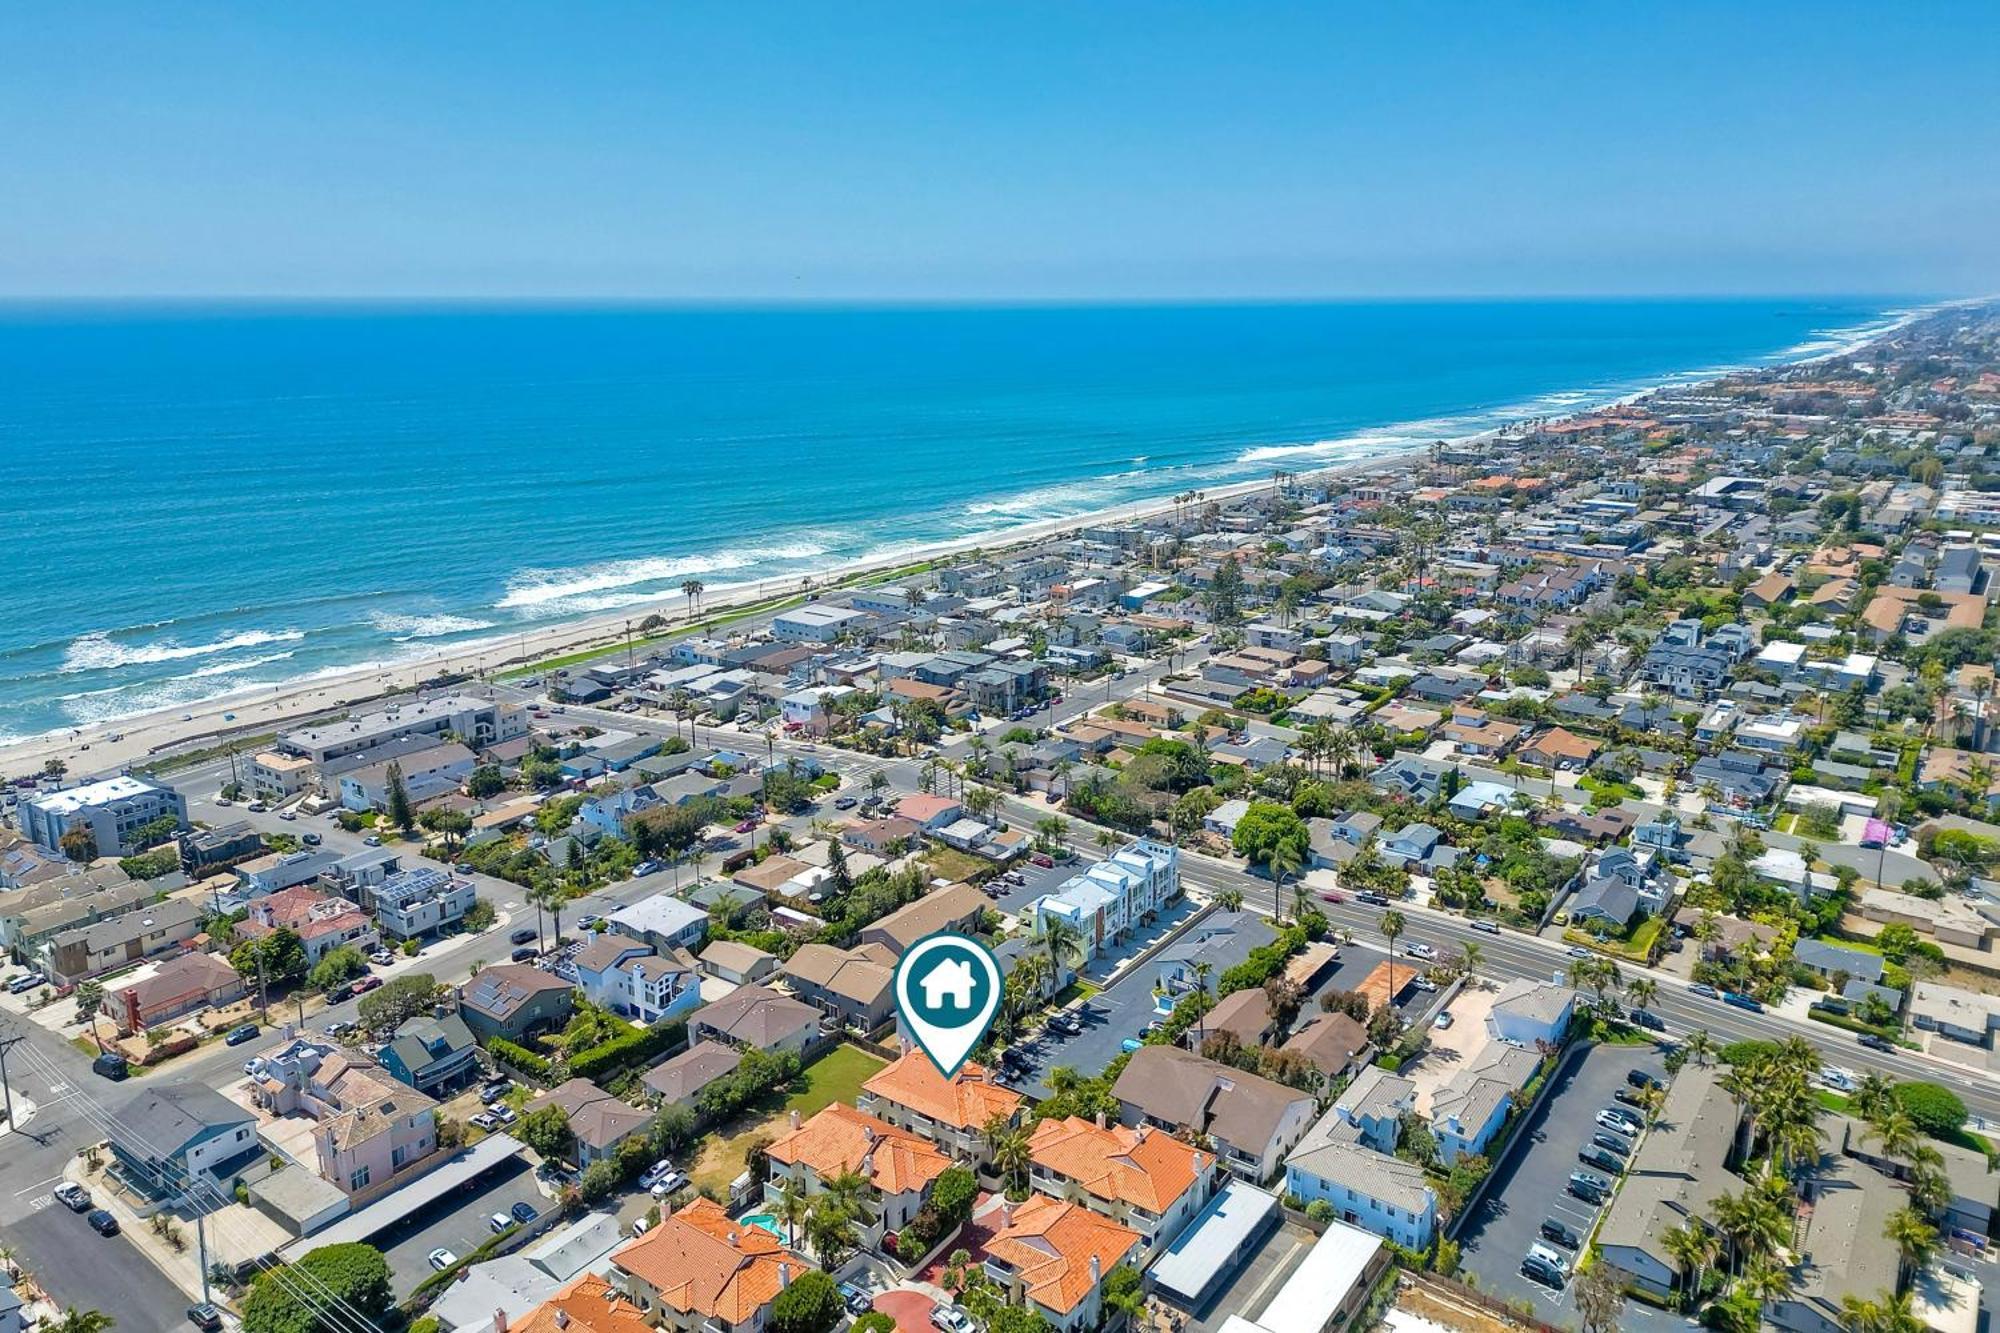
x=655 y=1173
x=1537 y=1269
x=341 y=994
x=1736 y=1001
x=381 y=958
x=525 y=935
x=1592 y=1155
x=1418 y=949
x=950 y=1319
x=498 y=1223
x=1560 y=1232
x=525 y=954
x=1443 y=1020
x=364 y=984
x=1639 y=1078
x=1616 y=1144
x=1875 y=1043
x=1424 y=984
x=1630 y=1096
x=441 y=1258
x=505 y=1114
x=205 y=1317
x=1045 y=861
x=493 y=1089
x=667 y=1186
x=110 y=1065
x=857 y=1301
x=73 y=1197
x=27 y=981
x=310 y=839
x=524 y=1212
x=844 y=803
x=591 y=922
x=1590 y=1188
x=103 y=1223
x=241 y=1033
x=645 y=868
x=746 y=826
x=1551 y=1256
x=1620 y=1120
x=1646 y=1018
x=373 y=840
x=485 y=1121
x=1702 y=989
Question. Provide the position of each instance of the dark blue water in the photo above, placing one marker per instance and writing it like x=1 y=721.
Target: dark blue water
x=205 y=499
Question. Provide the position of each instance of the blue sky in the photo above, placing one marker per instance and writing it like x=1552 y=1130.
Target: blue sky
x=1022 y=150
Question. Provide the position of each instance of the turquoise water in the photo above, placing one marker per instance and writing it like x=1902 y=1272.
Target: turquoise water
x=208 y=499
x=765 y=1222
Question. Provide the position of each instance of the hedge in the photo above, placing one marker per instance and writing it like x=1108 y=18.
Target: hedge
x=519 y=1057
x=627 y=1049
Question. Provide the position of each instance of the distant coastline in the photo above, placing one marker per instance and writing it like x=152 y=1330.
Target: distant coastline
x=476 y=642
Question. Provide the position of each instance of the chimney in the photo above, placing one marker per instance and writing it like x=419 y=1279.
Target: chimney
x=499 y=1321
x=784 y=1276
x=1006 y=1215
x=562 y=1315
x=868 y=1133
x=1144 y=1130
x=1100 y=1120
x=1096 y=1271
x=795 y=1117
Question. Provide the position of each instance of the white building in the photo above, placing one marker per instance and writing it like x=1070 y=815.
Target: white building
x=815 y=623
x=474 y=721
x=114 y=809
x=1108 y=900
x=413 y=903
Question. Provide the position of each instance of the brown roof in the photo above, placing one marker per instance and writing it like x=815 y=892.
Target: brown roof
x=703 y=1263
x=1330 y=1042
x=501 y=989
x=770 y=874
x=693 y=1069
x=757 y=1016
x=937 y=910
x=598 y=1119
x=1178 y=1087
x=1050 y=1243
x=854 y=974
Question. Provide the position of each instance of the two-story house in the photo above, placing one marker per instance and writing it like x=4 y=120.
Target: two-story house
x=1140 y=1178
x=701 y=1271
x=953 y=1113
x=1050 y=1256
x=899 y=1166
x=1252 y=1121
x=631 y=980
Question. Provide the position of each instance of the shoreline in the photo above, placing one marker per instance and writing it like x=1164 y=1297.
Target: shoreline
x=150 y=735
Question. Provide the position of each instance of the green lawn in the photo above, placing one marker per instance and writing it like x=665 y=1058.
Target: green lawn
x=1076 y=990
x=836 y=1076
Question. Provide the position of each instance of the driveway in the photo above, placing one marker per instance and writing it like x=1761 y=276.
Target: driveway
x=910 y=1309
x=456 y=1222
x=1532 y=1184
x=1125 y=1007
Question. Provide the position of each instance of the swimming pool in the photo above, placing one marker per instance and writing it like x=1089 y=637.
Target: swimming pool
x=765 y=1222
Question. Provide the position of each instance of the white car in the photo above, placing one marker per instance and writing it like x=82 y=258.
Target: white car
x=1840 y=1080
x=1423 y=983
x=1418 y=949
x=1443 y=1020
x=441 y=1258
x=1551 y=1256
x=655 y=1173
x=669 y=1185
x=950 y=1319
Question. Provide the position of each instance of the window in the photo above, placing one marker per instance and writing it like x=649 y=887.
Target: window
x=358 y=1179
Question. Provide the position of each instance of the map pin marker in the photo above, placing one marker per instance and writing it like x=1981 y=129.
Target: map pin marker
x=948 y=989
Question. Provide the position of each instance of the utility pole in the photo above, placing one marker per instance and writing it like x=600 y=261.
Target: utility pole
x=7 y=1089
x=201 y=1248
x=263 y=994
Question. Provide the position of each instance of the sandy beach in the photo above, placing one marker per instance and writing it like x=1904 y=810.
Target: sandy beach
x=258 y=712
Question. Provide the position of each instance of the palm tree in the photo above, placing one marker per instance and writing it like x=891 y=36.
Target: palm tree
x=1874 y=1097
x=1768 y=1281
x=1469 y=955
x=693 y=589
x=1391 y=926
x=1009 y=1146
x=82 y=1321
x=1889 y=1312
x=793 y=1209
x=1064 y=943
x=1230 y=900
x=1895 y=1131
x=1916 y=1240
x=830 y=1229
x=1642 y=990
x=1693 y=1247
x=1698 y=1045
x=1284 y=860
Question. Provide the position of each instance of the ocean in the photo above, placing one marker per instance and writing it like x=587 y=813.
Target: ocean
x=209 y=499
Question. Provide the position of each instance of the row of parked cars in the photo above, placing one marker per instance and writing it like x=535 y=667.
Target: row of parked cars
x=1605 y=1155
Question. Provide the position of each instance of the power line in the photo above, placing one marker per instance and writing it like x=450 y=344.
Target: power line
x=287 y=1276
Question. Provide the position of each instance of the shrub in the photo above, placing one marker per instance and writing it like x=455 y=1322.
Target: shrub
x=811 y=1304
x=519 y=1057
x=631 y=1047
x=1936 y=1109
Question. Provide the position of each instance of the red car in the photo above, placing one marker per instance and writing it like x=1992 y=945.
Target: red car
x=367 y=983
x=746 y=826
x=1042 y=859
x=1333 y=896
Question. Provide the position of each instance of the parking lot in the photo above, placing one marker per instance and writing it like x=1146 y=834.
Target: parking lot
x=1532 y=1184
x=1124 y=1008
x=1353 y=967
x=457 y=1222
x=1036 y=881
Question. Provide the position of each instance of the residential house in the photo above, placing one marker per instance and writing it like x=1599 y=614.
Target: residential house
x=1417 y=780
x=322 y=921
x=700 y=1269
x=1559 y=749
x=178 y=987
x=1050 y=1256
x=755 y=1016
x=679 y=1081
x=955 y=907
x=175 y=1139
x=734 y=961
x=1332 y=1043
x=856 y=986
x=414 y=904
x=900 y=1167
x=627 y=977
x=1678 y=1173
x=436 y=1055
x=1141 y=1178
x=952 y=1113
x=662 y=922
x=1411 y=845
x=145 y=932
x=1252 y=1121
x=1339 y=1164
x=1476 y=733
x=598 y=1122
x=515 y=1001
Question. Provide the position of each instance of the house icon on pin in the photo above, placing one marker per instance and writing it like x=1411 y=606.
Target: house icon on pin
x=948 y=985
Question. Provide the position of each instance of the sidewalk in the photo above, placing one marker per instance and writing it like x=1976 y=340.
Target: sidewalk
x=238 y=1235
